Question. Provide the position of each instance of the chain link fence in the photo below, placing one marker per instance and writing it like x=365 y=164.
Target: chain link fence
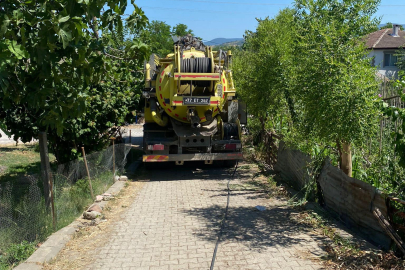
x=23 y=213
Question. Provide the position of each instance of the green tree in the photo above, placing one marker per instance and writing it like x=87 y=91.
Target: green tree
x=181 y=30
x=336 y=85
x=158 y=36
x=262 y=69
x=61 y=73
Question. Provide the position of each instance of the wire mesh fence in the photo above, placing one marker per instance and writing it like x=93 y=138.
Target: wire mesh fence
x=23 y=213
x=390 y=94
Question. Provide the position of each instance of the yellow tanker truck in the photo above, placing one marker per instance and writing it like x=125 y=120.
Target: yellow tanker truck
x=191 y=111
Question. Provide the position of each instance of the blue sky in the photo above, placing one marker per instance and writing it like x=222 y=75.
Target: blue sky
x=211 y=19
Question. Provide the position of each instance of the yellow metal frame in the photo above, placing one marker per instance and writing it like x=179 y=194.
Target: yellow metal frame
x=168 y=81
x=197 y=76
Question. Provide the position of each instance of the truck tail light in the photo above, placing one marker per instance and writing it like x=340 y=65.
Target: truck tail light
x=230 y=146
x=233 y=146
x=156 y=147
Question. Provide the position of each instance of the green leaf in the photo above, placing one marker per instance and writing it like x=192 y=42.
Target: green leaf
x=16 y=49
x=4 y=25
x=65 y=37
x=64 y=19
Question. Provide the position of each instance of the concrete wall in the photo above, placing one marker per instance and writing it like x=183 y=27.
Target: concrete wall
x=390 y=72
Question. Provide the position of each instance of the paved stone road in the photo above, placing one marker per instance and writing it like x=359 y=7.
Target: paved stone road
x=174 y=222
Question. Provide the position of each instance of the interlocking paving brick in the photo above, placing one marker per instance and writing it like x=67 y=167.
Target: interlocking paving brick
x=174 y=224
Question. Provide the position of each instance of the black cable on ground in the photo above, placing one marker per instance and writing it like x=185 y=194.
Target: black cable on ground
x=214 y=256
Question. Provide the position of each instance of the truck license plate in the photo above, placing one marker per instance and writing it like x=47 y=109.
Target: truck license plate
x=196 y=101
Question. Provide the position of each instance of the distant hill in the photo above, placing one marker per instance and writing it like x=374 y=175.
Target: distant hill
x=221 y=41
x=233 y=43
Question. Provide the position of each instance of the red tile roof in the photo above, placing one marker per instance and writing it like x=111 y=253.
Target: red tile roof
x=382 y=39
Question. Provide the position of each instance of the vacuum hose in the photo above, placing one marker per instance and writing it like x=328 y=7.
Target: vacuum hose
x=156 y=115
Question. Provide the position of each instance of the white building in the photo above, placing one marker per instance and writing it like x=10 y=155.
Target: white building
x=384 y=45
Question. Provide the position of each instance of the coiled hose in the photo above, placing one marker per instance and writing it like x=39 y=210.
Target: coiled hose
x=196 y=65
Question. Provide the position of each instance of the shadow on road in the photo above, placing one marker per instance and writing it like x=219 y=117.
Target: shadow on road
x=168 y=171
x=247 y=225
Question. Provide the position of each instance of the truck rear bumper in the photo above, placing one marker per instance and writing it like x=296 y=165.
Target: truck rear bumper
x=192 y=157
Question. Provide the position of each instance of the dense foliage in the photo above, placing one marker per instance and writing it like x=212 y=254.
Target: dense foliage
x=336 y=85
x=158 y=35
x=64 y=72
x=305 y=74
x=261 y=68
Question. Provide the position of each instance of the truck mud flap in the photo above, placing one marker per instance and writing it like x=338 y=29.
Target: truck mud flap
x=192 y=157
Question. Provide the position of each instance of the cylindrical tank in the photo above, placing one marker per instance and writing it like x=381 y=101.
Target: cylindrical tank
x=201 y=85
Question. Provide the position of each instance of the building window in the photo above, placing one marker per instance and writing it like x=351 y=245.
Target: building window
x=390 y=59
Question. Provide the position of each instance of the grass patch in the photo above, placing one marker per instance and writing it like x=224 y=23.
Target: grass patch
x=24 y=219
x=72 y=200
x=17 y=162
x=28 y=222
x=16 y=253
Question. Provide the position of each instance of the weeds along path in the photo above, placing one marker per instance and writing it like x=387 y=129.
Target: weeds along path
x=80 y=251
x=174 y=220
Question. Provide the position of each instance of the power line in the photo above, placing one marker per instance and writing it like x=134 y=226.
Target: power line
x=258 y=4
x=391 y=5
x=233 y=3
x=196 y=10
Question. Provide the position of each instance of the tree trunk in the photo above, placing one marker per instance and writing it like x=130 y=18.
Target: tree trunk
x=346 y=159
x=263 y=127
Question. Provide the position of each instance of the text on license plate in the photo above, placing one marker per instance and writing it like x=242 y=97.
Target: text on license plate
x=196 y=101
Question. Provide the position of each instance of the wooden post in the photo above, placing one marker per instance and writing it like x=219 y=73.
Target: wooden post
x=53 y=204
x=45 y=167
x=88 y=173
x=346 y=159
x=389 y=230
